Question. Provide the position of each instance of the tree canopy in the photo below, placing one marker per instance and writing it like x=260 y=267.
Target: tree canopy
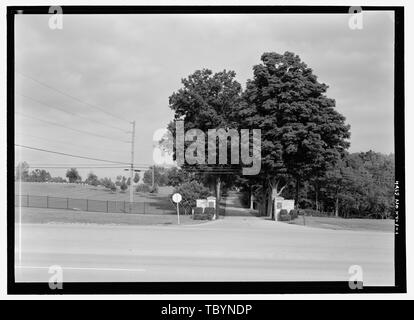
x=73 y=175
x=302 y=133
x=206 y=101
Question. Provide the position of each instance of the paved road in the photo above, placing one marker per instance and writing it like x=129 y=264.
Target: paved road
x=230 y=249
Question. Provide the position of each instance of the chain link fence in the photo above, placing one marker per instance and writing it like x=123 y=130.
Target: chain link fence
x=109 y=206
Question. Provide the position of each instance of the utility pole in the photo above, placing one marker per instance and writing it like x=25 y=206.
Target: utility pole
x=153 y=176
x=131 y=191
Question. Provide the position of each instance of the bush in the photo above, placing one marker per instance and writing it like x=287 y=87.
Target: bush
x=107 y=183
x=283 y=215
x=207 y=214
x=200 y=217
x=191 y=191
x=210 y=212
x=284 y=218
x=58 y=179
x=143 y=188
x=123 y=186
x=283 y=212
x=293 y=213
x=198 y=210
x=316 y=213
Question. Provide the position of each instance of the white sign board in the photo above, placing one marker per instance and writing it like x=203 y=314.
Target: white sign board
x=201 y=203
x=176 y=197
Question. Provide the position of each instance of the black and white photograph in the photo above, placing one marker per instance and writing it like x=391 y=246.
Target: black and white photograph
x=210 y=150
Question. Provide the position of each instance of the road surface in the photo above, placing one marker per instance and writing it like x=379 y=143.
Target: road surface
x=229 y=249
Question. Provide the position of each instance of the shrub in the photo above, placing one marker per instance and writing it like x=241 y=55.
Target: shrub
x=198 y=210
x=107 y=183
x=123 y=186
x=58 y=179
x=200 y=217
x=206 y=215
x=293 y=213
x=154 y=189
x=310 y=212
x=143 y=188
x=285 y=218
x=210 y=212
x=283 y=215
x=283 y=212
x=191 y=191
x=316 y=213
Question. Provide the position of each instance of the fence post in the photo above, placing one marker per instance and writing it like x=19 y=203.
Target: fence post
x=67 y=203
x=28 y=200
x=144 y=207
x=107 y=206
x=124 y=206
x=47 y=201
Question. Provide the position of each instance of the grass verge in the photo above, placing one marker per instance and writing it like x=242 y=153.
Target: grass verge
x=346 y=224
x=41 y=215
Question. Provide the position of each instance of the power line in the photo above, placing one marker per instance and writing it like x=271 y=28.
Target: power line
x=70 y=155
x=85 y=164
x=72 y=113
x=78 y=130
x=68 y=143
x=73 y=166
x=72 y=97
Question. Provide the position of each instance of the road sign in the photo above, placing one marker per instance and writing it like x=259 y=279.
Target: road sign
x=176 y=197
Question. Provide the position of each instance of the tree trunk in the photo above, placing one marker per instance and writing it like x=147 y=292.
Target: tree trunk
x=260 y=206
x=218 y=196
x=297 y=193
x=337 y=207
x=273 y=193
x=269 y=203
x=262 y=201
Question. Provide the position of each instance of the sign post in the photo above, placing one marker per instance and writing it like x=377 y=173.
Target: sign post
x=177 y=199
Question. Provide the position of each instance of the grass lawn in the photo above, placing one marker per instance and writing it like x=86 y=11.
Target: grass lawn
x=154 y=203
x=346 y=224
x=40 y=215
x=78 y=191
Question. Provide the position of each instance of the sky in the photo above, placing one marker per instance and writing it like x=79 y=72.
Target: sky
x=78 y=88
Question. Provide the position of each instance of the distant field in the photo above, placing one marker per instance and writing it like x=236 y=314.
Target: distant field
x=154 y=203
x=346 y=224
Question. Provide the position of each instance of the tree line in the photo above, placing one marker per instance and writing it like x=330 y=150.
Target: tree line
x=161 y=178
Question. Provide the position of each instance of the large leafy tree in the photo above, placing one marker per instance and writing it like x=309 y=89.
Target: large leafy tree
x=136 y=178
x=177 y=176
x=206 y=101
x=73 y=175
x=124 y=184
x=191 y=191
x=160 y=176
x=92 y=179
x=39 y=175
x=302 y=133
x=368 y=188
x=22 y=171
